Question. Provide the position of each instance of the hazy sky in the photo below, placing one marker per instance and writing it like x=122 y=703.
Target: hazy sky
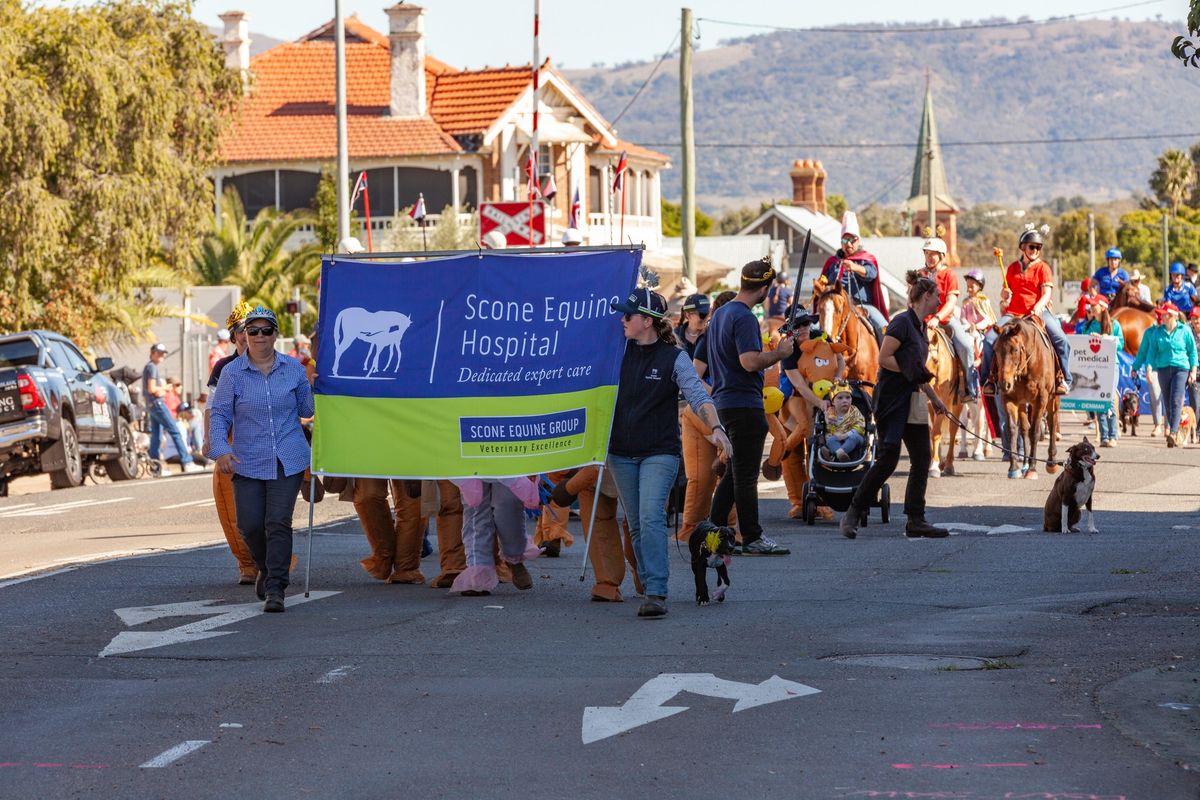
x=577 y=33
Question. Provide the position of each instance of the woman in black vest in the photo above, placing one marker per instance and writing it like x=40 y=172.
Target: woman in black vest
x=643 y=452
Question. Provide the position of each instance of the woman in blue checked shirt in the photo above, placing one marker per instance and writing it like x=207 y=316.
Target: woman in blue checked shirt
x=262 y=395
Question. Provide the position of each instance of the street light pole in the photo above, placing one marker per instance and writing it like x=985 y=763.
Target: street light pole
x=343 y=155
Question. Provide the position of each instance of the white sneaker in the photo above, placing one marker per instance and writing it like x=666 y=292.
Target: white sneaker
x=191 y=467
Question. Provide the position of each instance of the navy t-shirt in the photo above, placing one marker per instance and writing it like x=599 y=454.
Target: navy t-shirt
x=734 y=330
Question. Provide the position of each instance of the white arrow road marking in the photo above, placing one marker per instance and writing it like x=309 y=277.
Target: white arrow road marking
x=646 y=704
x=175 y=753
x=60 y=508
x=964 y=527
x=132 y=641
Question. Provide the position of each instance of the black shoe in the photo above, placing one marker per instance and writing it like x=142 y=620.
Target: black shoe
x=848 y=527
x=552 y=549
x=655 y=606
x=274 y=604
x=260 y=585
x=918 y=528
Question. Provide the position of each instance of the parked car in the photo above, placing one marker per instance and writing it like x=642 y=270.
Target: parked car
x=59 y=413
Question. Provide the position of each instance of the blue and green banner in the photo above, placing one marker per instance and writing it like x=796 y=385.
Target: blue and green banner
x=484 y=365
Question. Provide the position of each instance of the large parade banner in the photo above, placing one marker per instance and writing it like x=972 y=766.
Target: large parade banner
x=482 y=365
x=1093 y=372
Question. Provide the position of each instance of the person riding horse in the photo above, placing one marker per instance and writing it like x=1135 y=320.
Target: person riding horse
x=1110 y=278
x=858 y=271
x=1181 y=291
x=947 y=314
x=1029 y=290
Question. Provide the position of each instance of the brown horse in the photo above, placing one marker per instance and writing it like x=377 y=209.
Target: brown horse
x=1133 y=314
x=947 y=377
x=847 y=324
x=1025 y=365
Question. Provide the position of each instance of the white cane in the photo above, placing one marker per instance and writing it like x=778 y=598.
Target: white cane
x=312 y=491
x=587 y=539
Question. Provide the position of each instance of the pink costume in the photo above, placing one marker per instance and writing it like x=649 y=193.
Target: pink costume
x=494 y=510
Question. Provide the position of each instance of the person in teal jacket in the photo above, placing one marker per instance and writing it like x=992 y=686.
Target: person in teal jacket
x=1099 y=321
x=1170 y=350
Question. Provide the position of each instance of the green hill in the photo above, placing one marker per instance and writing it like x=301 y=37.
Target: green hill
x=1049 y=81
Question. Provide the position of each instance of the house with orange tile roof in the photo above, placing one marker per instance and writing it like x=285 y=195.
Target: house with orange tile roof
x=419 y=126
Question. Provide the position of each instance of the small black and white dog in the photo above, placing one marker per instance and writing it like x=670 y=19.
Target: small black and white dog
x=1073 y=491
x=711 y=546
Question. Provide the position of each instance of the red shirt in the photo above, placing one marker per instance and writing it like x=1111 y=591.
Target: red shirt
x=1026 y=286
x=947 y=283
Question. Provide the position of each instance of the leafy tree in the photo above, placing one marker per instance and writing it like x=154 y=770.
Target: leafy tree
x=734 y=220
x=1174 y=179
x=875 y=220
x=112 y=116
x=1069 y=239
x=325 y=207
x=835 y=206
x=1139 y=236
x=672 y=217
x=254 y=255
x=447 y=234
x=1183 y=48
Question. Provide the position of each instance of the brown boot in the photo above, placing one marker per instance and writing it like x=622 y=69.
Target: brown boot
x=521 y=577
x=848 y=527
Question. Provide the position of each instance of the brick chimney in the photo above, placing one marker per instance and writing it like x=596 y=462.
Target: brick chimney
x=236 y=41
x=808 y=185
x=406 y=31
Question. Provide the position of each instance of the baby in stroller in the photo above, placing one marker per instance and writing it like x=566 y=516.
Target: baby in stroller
x=845 y=427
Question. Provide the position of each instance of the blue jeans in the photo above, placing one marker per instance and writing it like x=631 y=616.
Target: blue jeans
x=1108 y=425
x=876 y=318
x=160 y=420
x=1058 y=340
x=264 y=519
x=852 y=444
x=1173 y=382
x=964 y=347
x=643 y=482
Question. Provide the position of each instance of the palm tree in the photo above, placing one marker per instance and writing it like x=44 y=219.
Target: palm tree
x=1174 y=178
x=254 y=256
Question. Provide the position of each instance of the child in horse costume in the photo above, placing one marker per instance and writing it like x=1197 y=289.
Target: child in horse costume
x=1030 y=285
x=858 y=271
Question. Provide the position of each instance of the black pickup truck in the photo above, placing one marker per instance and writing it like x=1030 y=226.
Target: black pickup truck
x=59 y=413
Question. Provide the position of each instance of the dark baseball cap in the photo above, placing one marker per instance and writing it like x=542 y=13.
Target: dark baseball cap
x=699 y=303
x=643 y=301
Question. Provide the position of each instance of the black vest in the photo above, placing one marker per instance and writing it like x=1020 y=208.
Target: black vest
x=646 y=421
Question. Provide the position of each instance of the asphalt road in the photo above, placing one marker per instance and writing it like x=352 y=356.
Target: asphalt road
x=999 y=663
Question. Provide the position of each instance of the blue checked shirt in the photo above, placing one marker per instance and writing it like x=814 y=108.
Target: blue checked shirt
x=264 y=412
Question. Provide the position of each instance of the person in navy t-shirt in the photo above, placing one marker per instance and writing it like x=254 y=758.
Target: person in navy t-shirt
x=736 y=361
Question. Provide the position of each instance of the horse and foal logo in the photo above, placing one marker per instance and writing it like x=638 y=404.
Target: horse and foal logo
x=382 y=332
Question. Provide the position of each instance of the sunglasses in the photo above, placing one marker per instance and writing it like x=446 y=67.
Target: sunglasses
x=266 y=330
x=1033 y=247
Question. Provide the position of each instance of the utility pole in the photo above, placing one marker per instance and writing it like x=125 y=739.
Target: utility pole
x=343 y=152
x=1091 y=244
x=296 y=315
x=1166 y=253
x=687 y=223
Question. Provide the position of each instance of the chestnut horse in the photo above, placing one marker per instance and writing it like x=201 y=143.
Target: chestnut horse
x=1025 y=366
x=1133 y=314
x=848 y=325
x=947 y=380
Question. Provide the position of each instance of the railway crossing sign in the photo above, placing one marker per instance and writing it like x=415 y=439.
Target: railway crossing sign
x=512 y=220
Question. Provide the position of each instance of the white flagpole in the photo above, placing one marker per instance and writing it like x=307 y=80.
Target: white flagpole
x=587 y=540
x=343 y=157
x=533 y=145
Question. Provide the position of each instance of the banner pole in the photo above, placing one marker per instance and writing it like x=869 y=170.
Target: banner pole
x=312 y=492
x=587 y=539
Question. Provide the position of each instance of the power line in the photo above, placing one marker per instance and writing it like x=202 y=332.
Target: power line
x=910 y=145
x=649 y=78
x=938 y=29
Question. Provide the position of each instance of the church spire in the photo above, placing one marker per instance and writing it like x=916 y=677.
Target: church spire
x=927 y=144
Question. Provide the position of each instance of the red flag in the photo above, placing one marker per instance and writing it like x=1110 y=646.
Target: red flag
x=622 y=165
x=550 y=190
x=573 y=217
x=531 y=176
x=418 y=209
x=359 y=186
